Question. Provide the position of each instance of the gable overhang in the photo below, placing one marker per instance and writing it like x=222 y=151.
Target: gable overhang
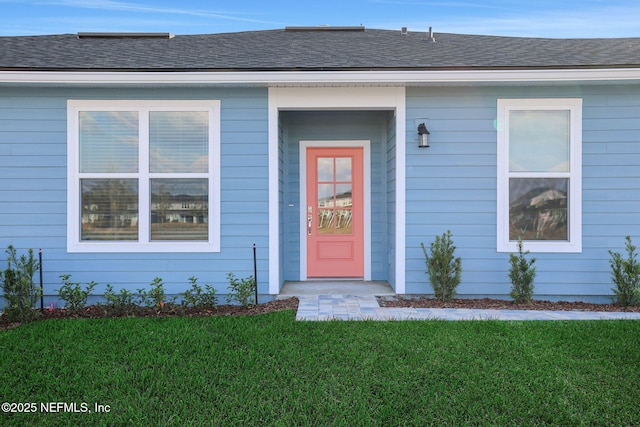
x=307 y=78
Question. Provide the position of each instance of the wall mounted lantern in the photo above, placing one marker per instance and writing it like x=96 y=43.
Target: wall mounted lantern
x=423 y=136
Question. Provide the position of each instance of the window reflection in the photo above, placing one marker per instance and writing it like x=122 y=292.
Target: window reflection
x=109 y=209
x=179 y=209
x=538 y=209
x=335 y=198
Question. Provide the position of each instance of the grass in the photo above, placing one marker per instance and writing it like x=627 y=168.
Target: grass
x=271 y=370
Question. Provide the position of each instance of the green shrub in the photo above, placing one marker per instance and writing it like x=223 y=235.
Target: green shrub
x=119 y=303
x=444 y=270
x=625 y=274
x=155 y=297
x=522 y=274
x=72 y=293
x=197 y=297
x=20 y=291
x=242 y=290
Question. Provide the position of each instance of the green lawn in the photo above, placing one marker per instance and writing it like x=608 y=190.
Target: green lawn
x=272 y=370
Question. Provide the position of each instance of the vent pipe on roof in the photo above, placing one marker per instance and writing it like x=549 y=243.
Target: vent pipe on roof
x=431 y=37
x=404 y=31
x=125 y=35
x=322 y=28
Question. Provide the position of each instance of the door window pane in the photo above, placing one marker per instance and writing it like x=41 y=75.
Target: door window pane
x=344 y=196
x=108 y=141
x=109 y=209
x=179 y=209
x=325 y=169
x=343 y=221
x=325 y=221
x=325 y=195
x=538 y=208
x=539 y=141
x=343 y=169
x=179 y=141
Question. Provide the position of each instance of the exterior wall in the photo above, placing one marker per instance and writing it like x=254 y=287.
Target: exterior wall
x=452 y=186
x=33 y=162
x=344 y=125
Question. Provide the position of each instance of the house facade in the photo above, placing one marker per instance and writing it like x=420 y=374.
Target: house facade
x=132 y=156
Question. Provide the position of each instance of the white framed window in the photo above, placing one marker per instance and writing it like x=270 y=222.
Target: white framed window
x=539 y=174
x=143 y=176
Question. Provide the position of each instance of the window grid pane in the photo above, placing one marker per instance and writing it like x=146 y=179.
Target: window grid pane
x=178 y=141
x=108 y=141
x=538 y=209
x=109 y=209
x=539 y=141
x=179 y=209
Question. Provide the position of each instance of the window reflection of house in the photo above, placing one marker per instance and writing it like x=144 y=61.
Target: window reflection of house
x=540 y=214
x=181 y=209
x=341 y=201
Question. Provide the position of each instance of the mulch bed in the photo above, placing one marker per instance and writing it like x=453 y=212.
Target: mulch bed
x=100 y=312
x=495 y=304
x=96 y=312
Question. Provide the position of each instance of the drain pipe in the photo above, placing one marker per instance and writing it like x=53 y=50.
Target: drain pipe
x=255 y=271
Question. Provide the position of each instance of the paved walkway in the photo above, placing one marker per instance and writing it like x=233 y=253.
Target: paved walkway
x=347 y=307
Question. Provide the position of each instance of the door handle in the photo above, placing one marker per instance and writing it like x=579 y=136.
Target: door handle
x=309 y=224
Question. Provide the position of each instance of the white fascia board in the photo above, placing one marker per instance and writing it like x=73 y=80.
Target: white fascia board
x=317 y=77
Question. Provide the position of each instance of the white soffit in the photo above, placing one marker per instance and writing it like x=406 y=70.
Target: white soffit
x=287 y=78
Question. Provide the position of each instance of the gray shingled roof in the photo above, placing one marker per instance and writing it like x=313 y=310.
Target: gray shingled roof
x=313 y=50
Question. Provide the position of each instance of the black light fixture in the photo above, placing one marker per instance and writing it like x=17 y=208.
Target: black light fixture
x=423 y=134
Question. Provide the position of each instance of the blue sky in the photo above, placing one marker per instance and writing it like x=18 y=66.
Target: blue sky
x=535 y=18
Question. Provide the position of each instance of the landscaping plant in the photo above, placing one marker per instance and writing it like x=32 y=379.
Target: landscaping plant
x=443 y=268
x=20 y=291
x=72 y=293
x=625 y=274
x=155 y=297
x=242 y=290
x=522 y=274
x=198 y=297
x=119 y=303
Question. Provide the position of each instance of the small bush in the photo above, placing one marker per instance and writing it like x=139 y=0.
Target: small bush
x=444 y=270
x=20 y=292
x=197 y=297
x=73 y=295
x=625 y=274
x=120 y=303
x=155 y=297
x=242 y=290
x=522 y=274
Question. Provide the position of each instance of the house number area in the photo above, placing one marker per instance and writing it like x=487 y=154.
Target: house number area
x=55 y=407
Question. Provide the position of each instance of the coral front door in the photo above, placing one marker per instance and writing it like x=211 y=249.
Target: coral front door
x=335 y=212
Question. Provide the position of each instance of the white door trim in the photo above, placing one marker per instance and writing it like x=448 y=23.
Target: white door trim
x=366 y=159
x=337 y=98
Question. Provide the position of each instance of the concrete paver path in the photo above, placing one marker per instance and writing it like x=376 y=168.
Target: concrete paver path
x=349 y=307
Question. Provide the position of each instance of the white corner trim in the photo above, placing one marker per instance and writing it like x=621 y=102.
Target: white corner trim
x=401 y=200
x=274 y=199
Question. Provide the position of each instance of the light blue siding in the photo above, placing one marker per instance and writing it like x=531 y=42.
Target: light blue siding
x=452 y=186
x=33 y=190
x=449 y=186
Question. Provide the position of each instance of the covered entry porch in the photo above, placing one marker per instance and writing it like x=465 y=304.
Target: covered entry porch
x=368 y=118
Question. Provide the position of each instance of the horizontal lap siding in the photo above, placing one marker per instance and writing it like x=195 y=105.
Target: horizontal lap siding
x=452 y=186
x=33 y=147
